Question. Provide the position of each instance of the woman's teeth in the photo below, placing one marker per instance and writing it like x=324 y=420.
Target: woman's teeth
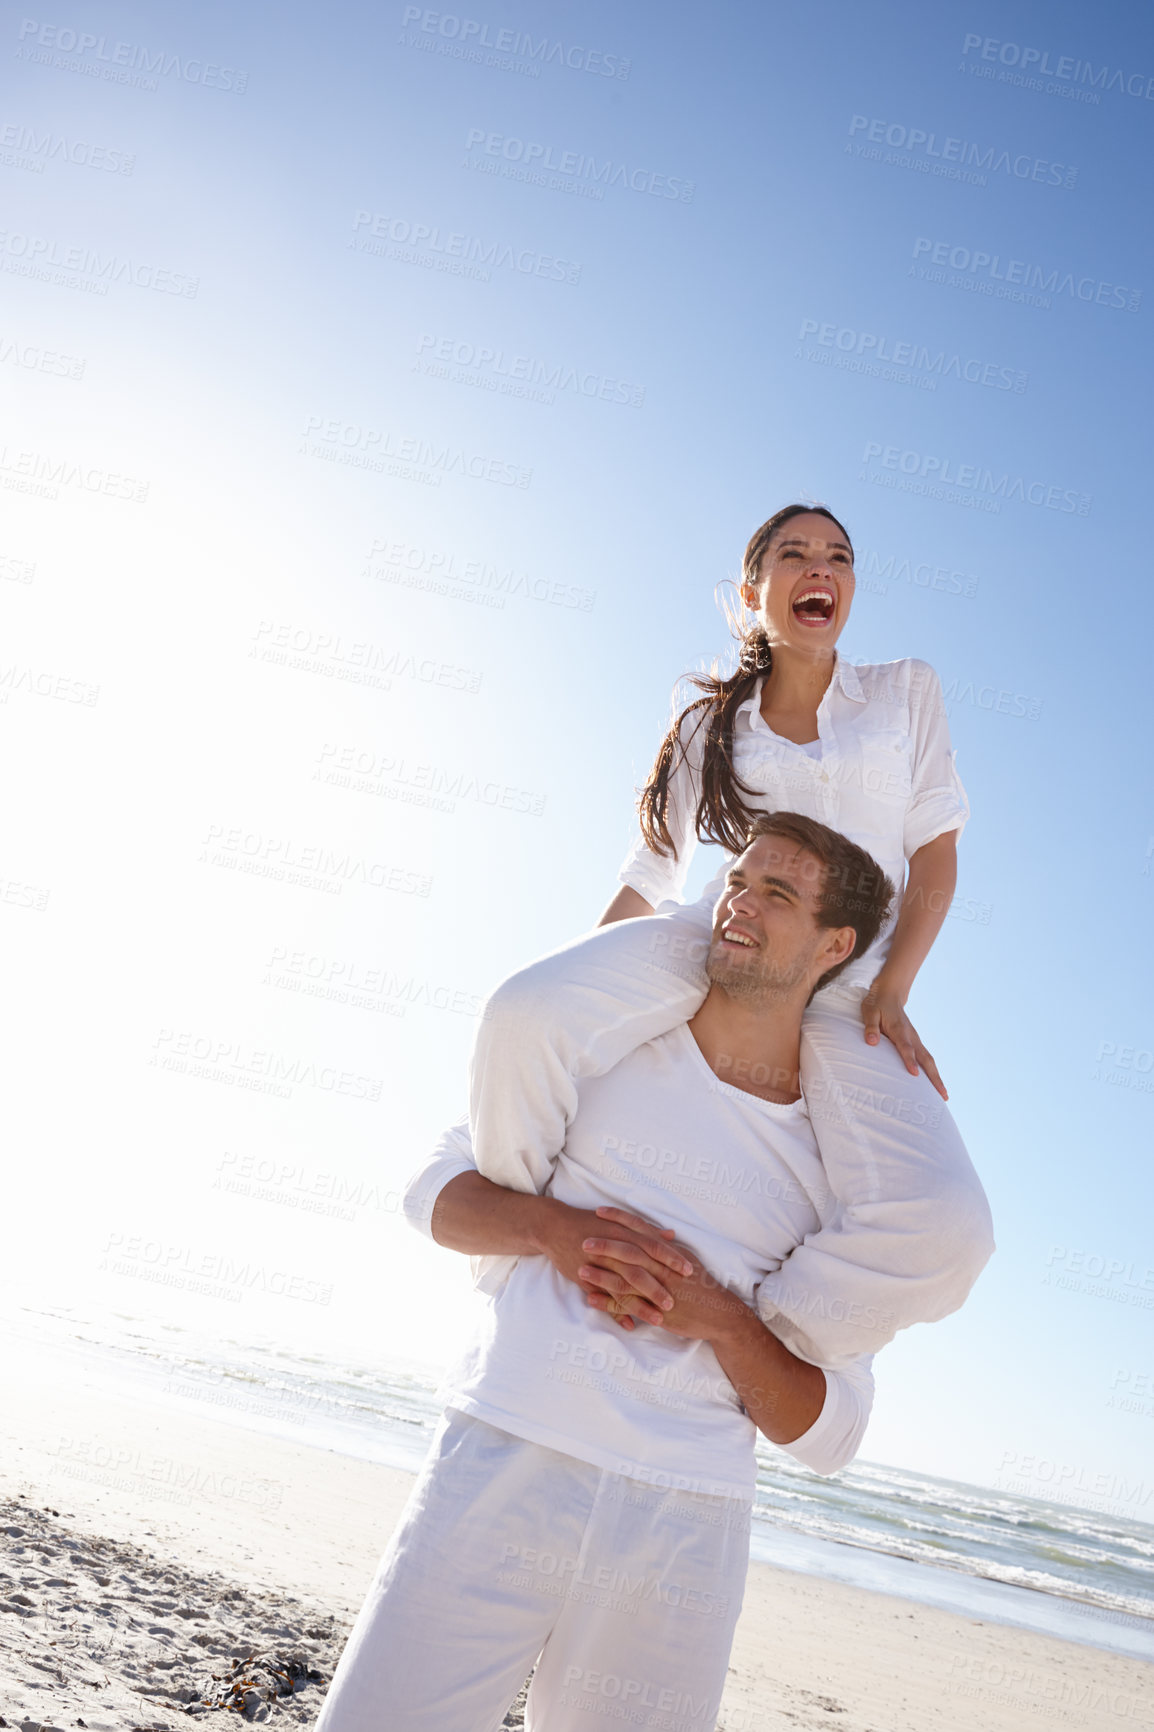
x=814 y=604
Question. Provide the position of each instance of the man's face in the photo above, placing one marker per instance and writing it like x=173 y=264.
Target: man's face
x=766 y=937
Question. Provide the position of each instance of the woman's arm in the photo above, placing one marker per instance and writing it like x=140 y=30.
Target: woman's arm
x=933 y=873
x=628 y=904
x=651 y=877
x=934 y=819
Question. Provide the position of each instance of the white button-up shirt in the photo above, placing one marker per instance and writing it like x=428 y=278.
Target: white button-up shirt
x=884 y=776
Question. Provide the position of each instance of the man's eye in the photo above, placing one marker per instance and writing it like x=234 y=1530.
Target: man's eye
x=791 y=552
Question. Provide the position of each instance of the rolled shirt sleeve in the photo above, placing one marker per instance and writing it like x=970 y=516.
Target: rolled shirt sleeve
x=453 y=1154
x=660 y=877
x=835 y=1436
x=938 y=800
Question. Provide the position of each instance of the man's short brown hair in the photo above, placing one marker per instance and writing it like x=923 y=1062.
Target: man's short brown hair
x=854 y=891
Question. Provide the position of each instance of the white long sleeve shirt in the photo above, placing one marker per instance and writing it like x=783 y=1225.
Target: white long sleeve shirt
x=883 y=775
x=741 y=1181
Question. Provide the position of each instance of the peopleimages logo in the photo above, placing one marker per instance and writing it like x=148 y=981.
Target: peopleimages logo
x=917 y=142
x=920 y=357
x=973 y=479
x=43 y=475
x=101 y=57
x=987 y=269
x=578 y=169
x=474 y=33
x=453 y=251
x=53 y=260
x=518 y=375
x=380 y=450
x=1036 y=63
x=37 y=148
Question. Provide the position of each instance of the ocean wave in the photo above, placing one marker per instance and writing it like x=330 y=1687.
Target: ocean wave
x=1101 y=1563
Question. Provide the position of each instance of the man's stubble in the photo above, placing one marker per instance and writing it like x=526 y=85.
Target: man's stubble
x=752 y=980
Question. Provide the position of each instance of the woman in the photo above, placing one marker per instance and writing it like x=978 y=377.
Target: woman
x=866 y=751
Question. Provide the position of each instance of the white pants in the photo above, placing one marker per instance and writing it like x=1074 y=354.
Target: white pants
x=626 y=1595
x=908 y=1231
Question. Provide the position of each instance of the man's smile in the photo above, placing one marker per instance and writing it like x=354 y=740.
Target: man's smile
x=737 y=935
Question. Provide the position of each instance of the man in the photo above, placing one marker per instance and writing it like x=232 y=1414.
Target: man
x=587 y=1499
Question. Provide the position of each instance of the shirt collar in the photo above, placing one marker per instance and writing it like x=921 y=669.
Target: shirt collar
x=845 y=677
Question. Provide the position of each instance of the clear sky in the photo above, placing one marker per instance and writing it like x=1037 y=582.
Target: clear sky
x=386 y=393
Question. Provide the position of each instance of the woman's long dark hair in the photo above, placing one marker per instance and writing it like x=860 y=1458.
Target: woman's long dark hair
x=722 y=814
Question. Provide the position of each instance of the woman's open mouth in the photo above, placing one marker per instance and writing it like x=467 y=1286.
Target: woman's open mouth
x=815 y=606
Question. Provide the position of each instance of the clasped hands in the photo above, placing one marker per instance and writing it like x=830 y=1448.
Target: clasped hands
x=637 y=1272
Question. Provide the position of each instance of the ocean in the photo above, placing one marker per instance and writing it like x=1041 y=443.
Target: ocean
x=1052 y=1567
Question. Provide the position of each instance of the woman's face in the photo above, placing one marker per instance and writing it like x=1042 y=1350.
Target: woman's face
x=805 y=584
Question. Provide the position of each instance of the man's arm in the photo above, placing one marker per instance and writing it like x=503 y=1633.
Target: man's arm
x=483 y=1216
x=782 y=1394
x=818 y=1416
x=473 y=1223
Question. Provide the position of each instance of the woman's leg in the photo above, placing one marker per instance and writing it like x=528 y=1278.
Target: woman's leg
x=907 y=1230
x=575 y=1013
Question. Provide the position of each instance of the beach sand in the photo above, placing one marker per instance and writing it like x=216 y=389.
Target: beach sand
x=152 y=1560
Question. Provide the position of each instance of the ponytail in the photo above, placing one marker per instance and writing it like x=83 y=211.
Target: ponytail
x=722 y=814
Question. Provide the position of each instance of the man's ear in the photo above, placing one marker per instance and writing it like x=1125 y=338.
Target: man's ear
x=839 y=944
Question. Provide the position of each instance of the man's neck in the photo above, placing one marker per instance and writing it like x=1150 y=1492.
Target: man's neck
x=755 y=1048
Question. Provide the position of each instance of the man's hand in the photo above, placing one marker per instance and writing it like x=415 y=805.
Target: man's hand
x=473 y=1215
x=883 y=1012
x=782 y=1394
x=702 y=1309
x=644 y=1262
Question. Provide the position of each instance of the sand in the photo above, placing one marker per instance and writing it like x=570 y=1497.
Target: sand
x=159 y=1565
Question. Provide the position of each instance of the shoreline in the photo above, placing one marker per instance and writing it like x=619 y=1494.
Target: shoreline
x=945 y=1586
x=295 y=1531
x=255 y=1387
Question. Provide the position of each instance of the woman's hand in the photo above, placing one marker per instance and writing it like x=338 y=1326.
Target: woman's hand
x=883 y=1012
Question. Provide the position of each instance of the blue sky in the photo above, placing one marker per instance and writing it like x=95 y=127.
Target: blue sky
x=277 y=516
